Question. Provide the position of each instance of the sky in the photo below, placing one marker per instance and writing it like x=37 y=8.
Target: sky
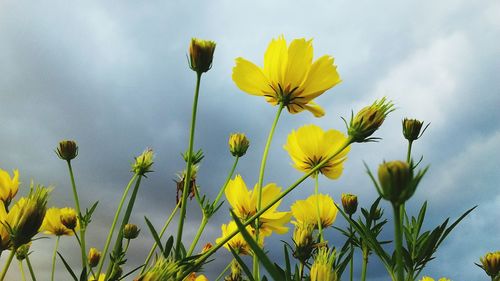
x=113 y=76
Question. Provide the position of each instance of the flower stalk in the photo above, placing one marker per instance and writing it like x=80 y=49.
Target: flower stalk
x=54 y=258
x=398 y=242
x=320 y=226
x=7 y=264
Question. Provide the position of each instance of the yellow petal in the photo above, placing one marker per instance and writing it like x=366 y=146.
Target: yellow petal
x=322 y=76
x=300 y=55
x=315 y=109
x=275 y=61
x=249 y=78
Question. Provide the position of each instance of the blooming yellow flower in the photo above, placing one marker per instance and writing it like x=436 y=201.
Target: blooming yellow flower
x=238 y=243
x=305 y=211
x=310 y=145
x=427 y=278
x=52 y=223
x=8 y=185
x=289 y=75
x=244 y=204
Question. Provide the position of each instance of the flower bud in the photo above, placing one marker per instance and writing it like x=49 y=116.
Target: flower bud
x=67 y=150
x=94 y=257
x=349 y=203
x=207 y=247
x=378 y=214
x=238 y=144
x=68 y=218
x=201 y=54
x=130 y=231
x=491 y=263
x=143 y=163
x=412 y=128
x=322 y=268
x=304 y=241
x=368 y=120
x=395 y=179
x=235 y=272
x=164 y=269
x=23 y=251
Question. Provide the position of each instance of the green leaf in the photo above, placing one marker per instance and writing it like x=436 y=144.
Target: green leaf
x=245 y=268
x=68 y=267
x=168 y=246
x=155 y=235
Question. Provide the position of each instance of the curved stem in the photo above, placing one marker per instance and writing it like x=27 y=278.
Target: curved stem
x=78 y=211
x=223 y=272
x=320 y=226
x=7 y=264
x=153 y=248
x=113 y=225
x=214 y=249
x=126 y=246
x=187 y=179
x=21 y=269
x=32 y=272
x=54 y=258
x=398 y=243
x=259 y=186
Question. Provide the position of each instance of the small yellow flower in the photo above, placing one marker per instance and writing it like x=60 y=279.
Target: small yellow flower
x=244 y=204
x=491 y=263
x=238 y=144
x=322 y=268
x=310 y=145
x=8 y=186
x=102 y=277
x=52 y=223
x=427 y=278
x=193 y=277
x=238 y=243
x=289 y=76
x=94 y=257
x=69 y=218
x=305 y=211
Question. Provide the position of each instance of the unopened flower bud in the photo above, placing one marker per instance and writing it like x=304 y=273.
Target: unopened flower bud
x=94 y=257
x=67 y=150
x=201 y=54
x=23 y=251
x=322 y=268
x=412 y=128
x=238 y=144
x=164 y=269
x=68 y=218
x=368 y=120
x=304 y=241
x=130 y=231
x=395 y=179
x=491 y=263
x=378 y=214
x=143 y=163
x=349 y=203
x=207 y=247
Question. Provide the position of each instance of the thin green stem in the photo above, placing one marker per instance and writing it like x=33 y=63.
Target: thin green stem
x=153 y=248
x=204 y=222
x=263 y=162
x=223 y=272
x=126 y=246
x=351 y=262
x=21 y=269
x=364 y=264
x=78 y=211
x=408 y=154
x=32 y=272
x=7 y=264
x=113 y=225
x=398 y=243
x=318 y=213
x=250 y=220
x=301 y=270
x=54 y=258
x=229 y=176
x=187 y=179
x=126 y=217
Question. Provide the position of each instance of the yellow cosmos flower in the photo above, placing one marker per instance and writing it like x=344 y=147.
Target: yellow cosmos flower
x=238 y=243
x=310 y=145
x=102 y=277
x=8 y=186
x=305 y=211
x=244 y=204
x=289 y=75
x=193 y=277
x=427 y=278
x=52 y=223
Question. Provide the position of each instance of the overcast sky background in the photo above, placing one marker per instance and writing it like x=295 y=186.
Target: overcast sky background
x=113 y=75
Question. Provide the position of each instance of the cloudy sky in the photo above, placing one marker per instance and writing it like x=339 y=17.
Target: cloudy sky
x=113 y=75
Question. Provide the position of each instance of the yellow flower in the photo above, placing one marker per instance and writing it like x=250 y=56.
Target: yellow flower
x=244 y=204
x=164 y=269
x=8 y=186
x=94 y=256
x=427 y=278
x=4 y=234
x=102 y=277
x=322 y=268
x=52 y=223
x=238 y=243
x=310 y=145
x=305 y=211
x=193 y=277
x=289 y=75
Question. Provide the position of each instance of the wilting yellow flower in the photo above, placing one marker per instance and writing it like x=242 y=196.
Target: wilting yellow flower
x=491 y=263
x=102 y=277
x=8 y=186
x=322 y=268
x=288 y=76
x=310 y=145
x=238 y=243
x=305 y=211
x=244 y=204
x=52 y=223
x=193 y=277
x=427 y=278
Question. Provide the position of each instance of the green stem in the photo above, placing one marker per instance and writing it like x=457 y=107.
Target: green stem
x=54 y=258
x=256 y=272
x=126 y=246
x=320 y=226
x=364 y=264
x=126 y=217
x=23 y=276
x=229 y=176
x=7 y=264
x=153 y=248
x=301 y=270
x=113 y=225
x=78 y=211
x=223 y=272
x=408 y=154
x=32 y=272
x=204 y=222
x=212 y=250
x=187 y=179
x=398 y=242
x=351 y=266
